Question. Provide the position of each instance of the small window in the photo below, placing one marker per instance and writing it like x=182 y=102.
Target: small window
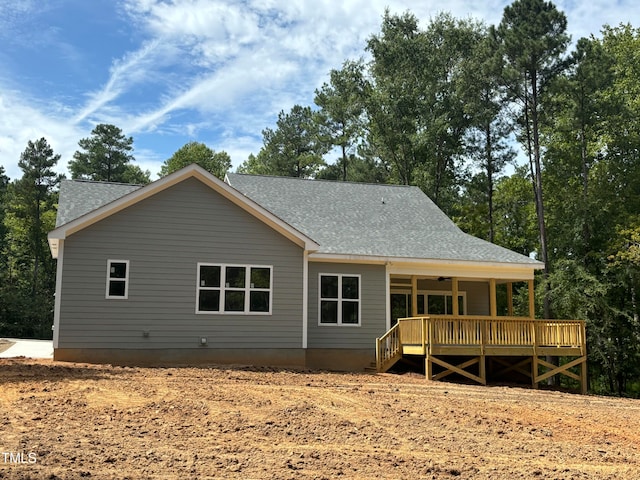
x=118 y=279
x=240 y=289
x=339 y=299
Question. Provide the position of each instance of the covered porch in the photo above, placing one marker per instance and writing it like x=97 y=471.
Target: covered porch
x=480 y=335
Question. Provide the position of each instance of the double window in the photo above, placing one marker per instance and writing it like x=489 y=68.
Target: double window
x=239 y=289
x=117 y=279
x=339 y=299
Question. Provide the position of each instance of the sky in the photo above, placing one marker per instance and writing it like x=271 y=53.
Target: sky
x=218 y=72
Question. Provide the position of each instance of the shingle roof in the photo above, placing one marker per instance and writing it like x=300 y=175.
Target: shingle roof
x=78 y=197
x=369 y=219
x=343 y=218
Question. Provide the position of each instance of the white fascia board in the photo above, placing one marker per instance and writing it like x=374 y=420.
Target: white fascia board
x=439 y=268
x=191 y=171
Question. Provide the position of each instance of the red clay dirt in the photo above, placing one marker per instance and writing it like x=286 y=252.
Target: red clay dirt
x=68 y=421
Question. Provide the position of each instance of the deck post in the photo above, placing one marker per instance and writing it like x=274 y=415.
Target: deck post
x=532 y=300
x=482 y=368
x=428 y=367
x=414 y=296
x=534 y=370
x=493 y=300
x=583 y=376
x=510 y=299
x=454 y=297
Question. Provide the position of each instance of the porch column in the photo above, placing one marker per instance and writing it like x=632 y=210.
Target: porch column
x=454 y=296
x=493 y=301
x=414 y=296
x=532 y=300
x=510 y=299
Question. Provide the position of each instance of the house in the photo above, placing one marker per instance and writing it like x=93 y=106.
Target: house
x=283 y=271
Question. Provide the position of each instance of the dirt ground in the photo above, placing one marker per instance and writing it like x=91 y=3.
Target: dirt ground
x=67 y=421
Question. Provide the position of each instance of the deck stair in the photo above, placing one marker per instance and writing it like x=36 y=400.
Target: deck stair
x=388 y=349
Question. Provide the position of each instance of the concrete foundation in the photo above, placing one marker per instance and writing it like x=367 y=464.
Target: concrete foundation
x=317 y=359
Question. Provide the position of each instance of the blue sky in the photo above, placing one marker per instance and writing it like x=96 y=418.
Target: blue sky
x=170 y=71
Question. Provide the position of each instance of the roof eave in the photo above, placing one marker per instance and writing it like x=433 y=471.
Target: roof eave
x=439 y=267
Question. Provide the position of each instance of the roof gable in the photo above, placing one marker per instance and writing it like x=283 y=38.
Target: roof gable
x=75 y=217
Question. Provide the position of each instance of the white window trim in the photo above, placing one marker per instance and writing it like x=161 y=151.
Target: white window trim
x=247 y=289
x=109 y=279
x=339 y=300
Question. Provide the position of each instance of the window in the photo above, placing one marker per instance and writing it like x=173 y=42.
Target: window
x=441 y=303
x=339 y=299
x=118 y=279
x=240 y=289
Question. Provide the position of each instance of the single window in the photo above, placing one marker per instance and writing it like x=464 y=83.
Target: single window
x=260 y=302
x=329 y=286
x=234 y=301
x=339 y=299
x=209 y=301
x=260 y=277
x=117 y=279
x=210 y=276
x=235 y=277
x=329 y=311
x=239 y=289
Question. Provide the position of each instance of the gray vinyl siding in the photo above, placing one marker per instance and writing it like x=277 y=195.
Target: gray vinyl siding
x=477 y=297
x=164 y=237
x=372 y=304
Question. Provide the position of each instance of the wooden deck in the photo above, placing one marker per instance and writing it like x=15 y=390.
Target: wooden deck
x=439 y=338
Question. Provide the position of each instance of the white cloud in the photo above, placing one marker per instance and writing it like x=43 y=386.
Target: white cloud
x=21 y=122
x=123 y=74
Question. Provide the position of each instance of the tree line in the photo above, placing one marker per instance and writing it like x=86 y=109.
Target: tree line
x=28 y=207
x=523 y=138
x=520 y=136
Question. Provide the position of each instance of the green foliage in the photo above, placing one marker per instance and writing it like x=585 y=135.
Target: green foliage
x=134 y=175
x=4 y=263
x=515 y=213
x=486 y=137
x=592 y=177
x=26 y=293
x=293 y=149
x=574 y=142
x=105 y=156
x=216 y=163
x=341 y=119
x=416 y=112
x=360 y=169
x=532 y=41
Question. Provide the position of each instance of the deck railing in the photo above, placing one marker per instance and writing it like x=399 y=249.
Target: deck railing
x=388 y=348
x=446 y=330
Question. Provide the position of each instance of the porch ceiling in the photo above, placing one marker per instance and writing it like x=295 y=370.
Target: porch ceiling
x=479 y=272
